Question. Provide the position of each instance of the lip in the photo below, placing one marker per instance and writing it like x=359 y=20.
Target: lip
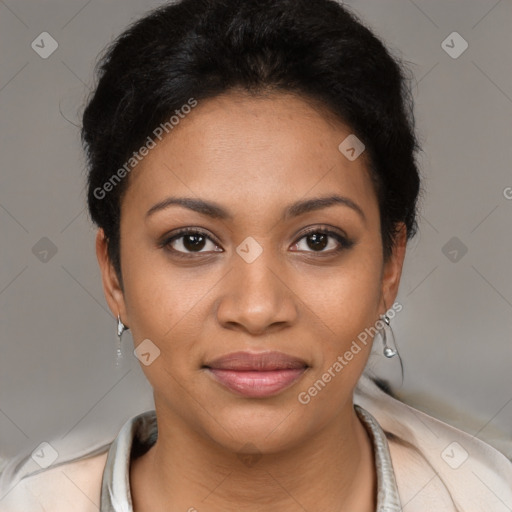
x=257 y=375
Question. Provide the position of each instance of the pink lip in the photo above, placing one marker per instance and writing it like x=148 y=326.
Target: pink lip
x=257 y=375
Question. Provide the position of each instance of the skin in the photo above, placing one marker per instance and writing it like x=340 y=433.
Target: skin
x=252 y=156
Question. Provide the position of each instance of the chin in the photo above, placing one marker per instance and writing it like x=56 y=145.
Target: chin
x=268 y=425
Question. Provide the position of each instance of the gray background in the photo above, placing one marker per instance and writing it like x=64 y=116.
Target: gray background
x=58 y=381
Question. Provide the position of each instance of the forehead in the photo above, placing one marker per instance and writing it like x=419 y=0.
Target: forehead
x=252 y=151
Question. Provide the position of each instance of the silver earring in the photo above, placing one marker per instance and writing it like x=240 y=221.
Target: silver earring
x=388 y=351
x=120 y=329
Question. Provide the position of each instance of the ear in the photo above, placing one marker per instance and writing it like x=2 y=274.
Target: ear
x=111 y=286
x=392 y=270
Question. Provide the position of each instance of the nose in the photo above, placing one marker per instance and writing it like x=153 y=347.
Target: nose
x=256 y=298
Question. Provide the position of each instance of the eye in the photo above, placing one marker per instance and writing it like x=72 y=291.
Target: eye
x=319 y=239
x=189 y=241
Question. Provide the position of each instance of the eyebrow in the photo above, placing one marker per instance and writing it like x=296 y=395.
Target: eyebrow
x=215 y=211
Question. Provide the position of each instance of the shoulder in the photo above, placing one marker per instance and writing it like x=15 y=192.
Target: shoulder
x=437 y=465
x=74 y=485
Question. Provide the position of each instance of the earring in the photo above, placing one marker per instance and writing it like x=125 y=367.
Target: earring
x=120 y=329
x=388 y=351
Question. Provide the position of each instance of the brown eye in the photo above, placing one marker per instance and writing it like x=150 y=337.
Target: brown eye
x=318 y=240
x=190 y=241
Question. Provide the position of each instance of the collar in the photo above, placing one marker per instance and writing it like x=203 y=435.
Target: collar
x=139 y=433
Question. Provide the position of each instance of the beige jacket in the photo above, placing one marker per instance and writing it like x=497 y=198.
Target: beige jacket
x=431 y=466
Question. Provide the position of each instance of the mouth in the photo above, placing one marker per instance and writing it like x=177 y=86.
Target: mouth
x=257 y=375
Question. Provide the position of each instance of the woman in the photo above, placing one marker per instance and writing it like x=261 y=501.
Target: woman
x=252 y=174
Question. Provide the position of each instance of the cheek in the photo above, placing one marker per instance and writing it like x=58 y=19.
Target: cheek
x=347 y=304
x=345 y=298
x=161 y=300
x=172 y=307
x=165 y=306
x=158 y=294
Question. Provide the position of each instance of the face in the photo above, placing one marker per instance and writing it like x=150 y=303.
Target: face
x=252 y=265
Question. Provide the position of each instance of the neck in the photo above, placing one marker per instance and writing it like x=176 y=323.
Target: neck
x=183 y=470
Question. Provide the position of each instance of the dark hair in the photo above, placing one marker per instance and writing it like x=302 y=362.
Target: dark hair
x=202 y=48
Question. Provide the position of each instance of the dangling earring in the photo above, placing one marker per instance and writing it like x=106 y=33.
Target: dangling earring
x=388 y=351
x=120 y=329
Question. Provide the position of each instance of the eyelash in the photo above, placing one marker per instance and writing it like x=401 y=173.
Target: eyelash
x=344 y=243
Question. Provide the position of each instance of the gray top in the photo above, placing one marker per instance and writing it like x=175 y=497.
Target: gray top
x=140 y=433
